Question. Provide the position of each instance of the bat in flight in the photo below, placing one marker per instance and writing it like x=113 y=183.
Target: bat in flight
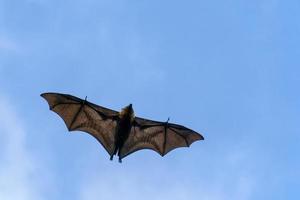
x=119 y=133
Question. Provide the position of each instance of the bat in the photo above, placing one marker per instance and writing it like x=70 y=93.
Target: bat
x=120 y=133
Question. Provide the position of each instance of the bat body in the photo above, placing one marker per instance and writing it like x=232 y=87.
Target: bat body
x=119 y=132
x=124 y=125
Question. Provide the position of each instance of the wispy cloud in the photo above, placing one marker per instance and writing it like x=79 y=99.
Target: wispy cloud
x=18 y=167
x=147 y=183
x=8 y=44
x=134 y=188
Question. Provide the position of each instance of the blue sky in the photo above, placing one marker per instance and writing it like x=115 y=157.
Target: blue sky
x=227 y=69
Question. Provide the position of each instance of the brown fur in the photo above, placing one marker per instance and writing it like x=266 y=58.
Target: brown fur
x=126 y=112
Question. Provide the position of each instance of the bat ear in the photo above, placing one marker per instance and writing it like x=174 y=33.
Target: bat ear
x=130 y=106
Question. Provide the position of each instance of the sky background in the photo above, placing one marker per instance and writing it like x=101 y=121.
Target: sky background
x=227 y=69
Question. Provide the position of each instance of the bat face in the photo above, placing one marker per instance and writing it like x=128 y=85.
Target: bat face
x=127 y=112
x=119 y=132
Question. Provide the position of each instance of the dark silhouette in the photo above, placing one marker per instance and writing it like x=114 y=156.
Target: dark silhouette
x=119 y=132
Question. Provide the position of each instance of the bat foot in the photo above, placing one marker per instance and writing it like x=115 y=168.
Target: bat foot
x=120 y=160
x=111 y=158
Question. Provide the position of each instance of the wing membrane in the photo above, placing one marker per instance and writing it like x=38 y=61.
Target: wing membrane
x=81 y=115
x=161 y=137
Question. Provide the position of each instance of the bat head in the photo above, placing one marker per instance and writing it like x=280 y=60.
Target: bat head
x=127 y=111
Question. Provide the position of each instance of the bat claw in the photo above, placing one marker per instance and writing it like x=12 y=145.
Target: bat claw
x=111 y=158
x=120 y=160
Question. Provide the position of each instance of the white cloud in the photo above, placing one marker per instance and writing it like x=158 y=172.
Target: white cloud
x=144 y=183
x=133 y=188
x=18 y=167
x=8 y=44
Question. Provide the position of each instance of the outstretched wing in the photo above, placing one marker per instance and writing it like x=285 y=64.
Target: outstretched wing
x=161 y=137
x=81 y=115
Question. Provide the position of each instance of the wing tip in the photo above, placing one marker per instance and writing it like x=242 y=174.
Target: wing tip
x=43 y=95
x=201 y=137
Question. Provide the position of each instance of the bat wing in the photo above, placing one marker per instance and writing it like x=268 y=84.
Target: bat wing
x=161 y=137
x=81 y=115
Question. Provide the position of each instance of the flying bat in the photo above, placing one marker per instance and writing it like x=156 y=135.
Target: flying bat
x=120 y=133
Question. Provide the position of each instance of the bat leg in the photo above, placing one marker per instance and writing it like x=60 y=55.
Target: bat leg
x=120 y=160
x=115 y=152
x=119 y=152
